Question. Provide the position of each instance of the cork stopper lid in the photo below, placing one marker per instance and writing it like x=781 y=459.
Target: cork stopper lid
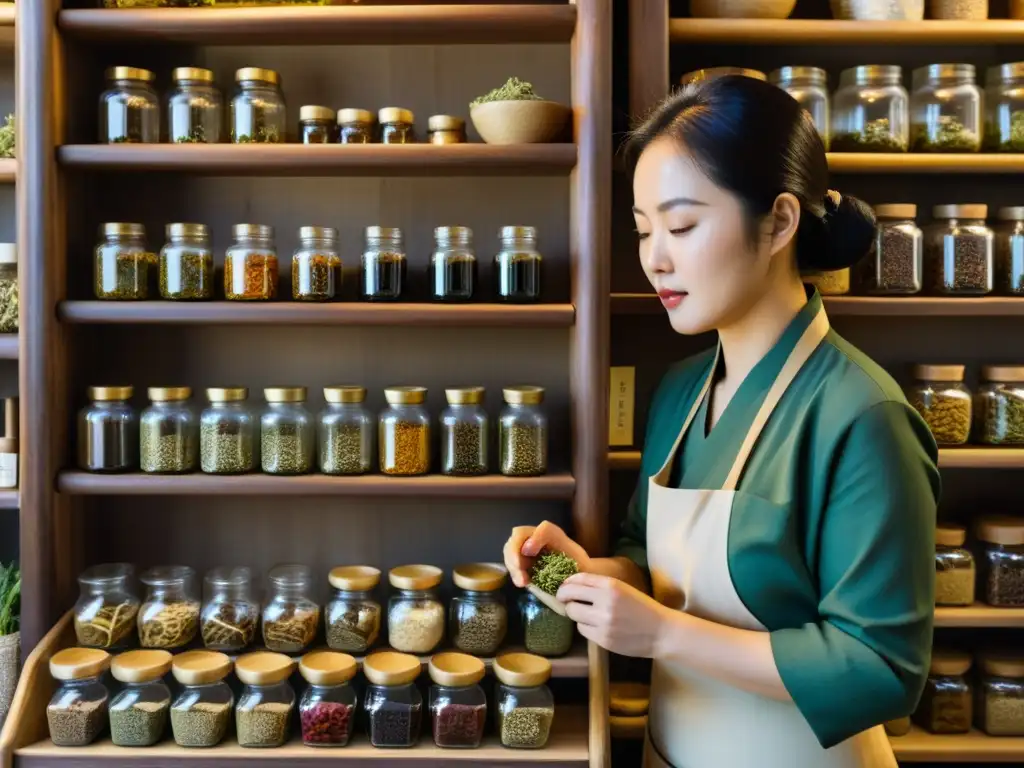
x=141 y=666
x=200 y=667
x=415 y=577
x=939 y=372
x=327 y=667
x=263 y=668
x=354 y=578
x=522 y=670
x=1012 y=374
x=1001 y=529
x=950 y=662
x=391 y=668
x=629 y=699
x=965 y=211
x=947 y=535
x=480 y=577
x=896 y=211
x=456 y=670
x=1003 y=664
x=78 y=663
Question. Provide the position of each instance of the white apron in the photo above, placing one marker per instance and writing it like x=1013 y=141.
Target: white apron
x=695 y=721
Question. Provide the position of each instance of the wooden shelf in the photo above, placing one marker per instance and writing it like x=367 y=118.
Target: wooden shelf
x=949 y=458
x=8 y=346
x=851 y=162
x=919 y=746
x=8 y=166
x=832 y=32
x=344 y=25
x=980 y=615
x=324 y=159
x=624 y=460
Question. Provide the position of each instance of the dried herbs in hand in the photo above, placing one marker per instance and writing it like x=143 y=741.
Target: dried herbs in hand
x=7 y=137
x=514 y=89
x=551 y=569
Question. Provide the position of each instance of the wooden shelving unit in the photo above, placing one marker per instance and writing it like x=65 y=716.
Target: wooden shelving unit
x=8 y=167
x=763 y=32
x=919 y=746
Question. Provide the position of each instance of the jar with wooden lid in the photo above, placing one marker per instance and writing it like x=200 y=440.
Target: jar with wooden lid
x=169 y=432
x=523 y=432
x=316 y=265
x=345 y=432
x=526 y=707
x=896 y=265
x=201 y=713
x=107 y=606
x=353 y=616
x=9 y=302
x=108 y=431
x=958 y=10
x=122 y=264
x=195 y=108
x=394 y=705
x=1001 y=560
x=545 y=632
x=999 y=406
x=383 y=265
x=871 y=110
x=415 y=611
x=453 y=265
x=355 y=126
x=250 y=264
x=954 y=567
x=1004 y=108
x=186 y=263
x=328 y=706
x=809 y=86
x=139 y=712
x=945 y=109
x=169 y=617
x=944 y=402
x=478 y=616
x=960 y=250
x=446 y=129
x=713 y=73
x=404 y=439
x=999 y=698
x=287 y=432
x=517 y=266
x=77 y=713
x=464 y=432
x=317 y=125
x=458 y=705
x=396 y=126
x=230 y=613
x=835 y=282
x=265 y=705
x=258 y=108
x=227 y=431
x=1009 y=248
x=291 y=616
x=946 y=704
x=129 y=107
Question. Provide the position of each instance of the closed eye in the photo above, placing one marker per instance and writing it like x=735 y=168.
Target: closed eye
x=682 y=230
x=641 y=235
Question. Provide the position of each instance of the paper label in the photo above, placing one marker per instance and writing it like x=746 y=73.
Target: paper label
x=620 y=416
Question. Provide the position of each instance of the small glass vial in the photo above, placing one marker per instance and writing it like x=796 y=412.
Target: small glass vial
x=835 y=282
x=479 y=618
x=945 y=705
x=526 y=707
x=230 y=614
x=355 y=126
x=809 y=86
x=870 y=111
x=415 y=612
x=138 y=713
x=999 y=406
x=545 y=632
x=258 y=108
x=954 y=567
x=458 y=705
x=1001 y=561
x=384 y=264
x=352 y=617
x=201 y=713
x=452 y=265
x=77 y=713
x=108 y=431
x=523 y=432
x=287 y=432
x=404 y=439
x=960 y=250
x=106 y=608
x=394 y=705
x=896 y=264
x=129 y=108
x=464 y=433
x=1004 y=108
x=1009 y=249
x=345 y=432
x=186 y=263
x=121 y=266
x=265 y=705
x=227 y=431
x=169 y=432
x=316 y=265
x=169 y=617
x=945 y=109
x=999 y=706
x=290 y=617
x=446 y=129
x=195 y=108
x=942 y=399
x=316 y=125
x=328 y=706
x=517 y=265
x=396 y=126
x=250 y=264
x=8 y=288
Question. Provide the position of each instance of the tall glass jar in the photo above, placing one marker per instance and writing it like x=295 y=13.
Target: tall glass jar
x=186 y=263
x=169 y=617
x=345 y=432
x=518 y=265
x=1009 y=250
x=954 y=567
x=258 y=113
x=384 y=264
x=394 y=705
x=523 y=432
x=227 y=432
x=122 y=263
x=230 y=613
x=415 y=611
x=999 y=705
x=77 y=712
x=999 y=406
x=458 y=705
x=8 y=288
x=479 y=618
x=316 y=125
x=169 y=432
x=526 y=707
x=352 y=616
x=945 y=705
x=896 y=265
x=1001 y=561
x=139 y=712
x=545 y=632
x=328 y=706
x=944 y=402
x=1004 y=108
x=960 y=250
x=404 y=439
x=316 y=265
x=396 y=126
x=195 y=108
x=129 y=108
x=201 y=713
x=452 y=265
x=809 y=86
x=106 y=608
x=446 y=129
x=250 y=264
x=355 y=126
x=108 y=431
x=266 y=703
x=287 y=432
x=945 y=109
x=290 y=617
x=870 y=111
x=464 y=432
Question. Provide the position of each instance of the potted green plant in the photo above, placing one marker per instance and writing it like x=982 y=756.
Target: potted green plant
x=10 y=615
x=514 y=114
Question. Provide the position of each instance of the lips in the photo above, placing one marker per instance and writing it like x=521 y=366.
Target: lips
x=671 y=299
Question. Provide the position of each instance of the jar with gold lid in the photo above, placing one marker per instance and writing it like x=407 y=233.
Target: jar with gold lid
x=404 y=427
x=355 y=126
x=290 y=617
x=108 y=431
x=453 y=265
x=946 y=704
x=169 y=432
x=954 y=567
x=258 y=108
x=316 y=265
x=352 y=617
x=345 y=432
x=944 y=402
x=1001 y=560
x=122 y=264
x=139 y=711
x=525 y=704
x=77 y=712
x=201 y=713
x=393 y=703
x=186 y=263
x=999 y=405
x=415 y=611
x=523 y=432
x=195 y=108
x=1009 y=247
x=106 y=607
x=227 y=431
x=458 y=705
x=384 y=265
x=396 y=126
x=169 y=616
x=250 y=264
x=999 y=705
x=129 y=107
x=328 y=706
x=266 y=703
x=959 y=247
x=316 y=125
x=446 y=129
x=517 y=266
x=464 y=433
x=287 y=432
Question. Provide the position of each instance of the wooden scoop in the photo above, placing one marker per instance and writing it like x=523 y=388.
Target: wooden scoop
x=549 y=600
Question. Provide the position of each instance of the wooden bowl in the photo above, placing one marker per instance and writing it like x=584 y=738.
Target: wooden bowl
x=742 y=9
x=519 y=122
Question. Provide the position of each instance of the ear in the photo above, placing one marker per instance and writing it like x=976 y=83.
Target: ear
x=785 y=219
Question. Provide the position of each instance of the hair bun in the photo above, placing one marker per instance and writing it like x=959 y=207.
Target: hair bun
x=840 y=238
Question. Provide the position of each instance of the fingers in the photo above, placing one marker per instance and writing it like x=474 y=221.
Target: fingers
x=583 y=613
x=580 y=591
x=547 y=534
x=515 y=561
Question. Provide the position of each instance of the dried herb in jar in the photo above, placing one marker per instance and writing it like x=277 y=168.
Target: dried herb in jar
x=523 y=449
x=264 y=725
x=264 y=134
x=393 y=724
x=1004 y=581
x=313 y=277
x=225 y=449
x=1001 y=417
x=954 y=585
x=1003 y=709
x=9 y=306
x=341 y=449
x=258 y=279
x=464 y=449
x=203 y=724
x=78 y=723
x=353 y=630
x=141 y=724
x=168 y=625
x=107 y=626
x=876 y=137
x=415 y=626
x=170 y=452
x=945 y=706
x=546 y=633
x=897 y=269
x=7 y=137
x=951 y=136
x=479 y=627
x=290 y=629
x=127 y=278
x=551 y=569
x=327 y=722
x=283 y=451
x=459 y=725
x=525 y=727
x=948 y=417
x=229 y=626
x=996 y=141
x=404 y=448
x=190 y=278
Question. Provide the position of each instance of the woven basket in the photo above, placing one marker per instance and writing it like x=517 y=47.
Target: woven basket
x=9 y=645
x=878 y=10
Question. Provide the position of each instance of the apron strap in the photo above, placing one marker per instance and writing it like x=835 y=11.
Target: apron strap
x=661 y=477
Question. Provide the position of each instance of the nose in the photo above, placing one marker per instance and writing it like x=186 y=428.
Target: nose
x=655 y=256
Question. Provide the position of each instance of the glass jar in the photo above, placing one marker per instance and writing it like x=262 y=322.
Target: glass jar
x=479 y=618
x=954 y=567
x=138 y=713
x=458 y=705
x=545 y=632
x=870 y=111
x=999 y=406
x=287 y=432
x=944 y=402
x=897 y=255
x=415 y=612
x=958 y=10
x=945 y=109
x=250 y=264
x=230 y=614
x=258 y=108
x=345 y=432
x=523 y=433
x=168 y=432
x=106 y=608
x=999 y=705
x=169 y=617
x=945 y=705
x=960 y=250
x=1009 y=250
x=328 y=705
x=8 y=288
x=712 y=73
x=352 y=616
x=878 y=10
x=835 y=282
x=201 y=713
x=394 y=705
x=265 y=705
x=226 y=432
x=452 y=265
x=290 y=617
x=129 y=108
x=316 y=265
x=404 y=427
x=809 y=86
x=77 y=713
x=446 y=129
x=396 y=126
x=195 y=108
x=464 y=433
x=1001 y=561
x=1004 y=108
x=355 y=126
x=384 y=264
x=526 y=707
x=121 y=268
x=316 y=125
x=517 y=265
x=108 y=431
x=186 y=263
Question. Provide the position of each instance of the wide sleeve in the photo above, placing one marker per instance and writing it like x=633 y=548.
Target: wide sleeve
x=865 y=660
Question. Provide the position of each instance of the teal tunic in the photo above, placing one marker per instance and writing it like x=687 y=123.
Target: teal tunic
x=833 y=550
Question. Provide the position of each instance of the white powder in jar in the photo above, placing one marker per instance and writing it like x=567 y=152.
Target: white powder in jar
x=415 y=626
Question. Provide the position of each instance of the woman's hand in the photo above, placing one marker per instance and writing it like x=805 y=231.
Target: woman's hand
x=528 y=541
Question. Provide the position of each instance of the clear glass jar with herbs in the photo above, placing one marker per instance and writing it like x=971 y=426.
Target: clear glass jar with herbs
x=9 y=302
x=352 y=616
x=458 y=705
x=1001 y=560
x=517 y=266
x=955 y=573
x=809 y=86
x=108 y=431
x=464 y=432
x=290 y=617
x=940 y=396
x=453 y=265
x=896 y=264
x=396 y=126
x=129 y=107
x=404 y=432
x=122 y=263
x=327 y=710
x=77 y=712
x=169 y=616
x=106 y=608
x=186 y=263
x=287 y=432
x=945 y=109
x=195 y=108
x=960 y=247
x=258 y=112
x=1004 y=108
x=870 y=111
x=415 y=611
x=345 y=430
x=523 y=432
x=545 y=632
x=250 y=264
x=1009 y=251
x=316 y=265
x=446 y=129
x=139 y=711
x=265 y=706
x=525 y=704
x=356 y=126
x=999 y=696
x=383 y=265
x=169 y=432
x=230 y=614
x=201 y=713
x=227 y=430
x=317 y=125
x=999 y=406
x=478 y=617
x=946 y=704
x=393 y=702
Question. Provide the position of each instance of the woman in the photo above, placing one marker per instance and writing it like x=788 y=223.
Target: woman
x=784 y=519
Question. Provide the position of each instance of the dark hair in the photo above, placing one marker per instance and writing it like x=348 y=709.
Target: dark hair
x=756 y=141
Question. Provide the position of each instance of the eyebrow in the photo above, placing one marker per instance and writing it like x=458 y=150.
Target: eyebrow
x=673 y=203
